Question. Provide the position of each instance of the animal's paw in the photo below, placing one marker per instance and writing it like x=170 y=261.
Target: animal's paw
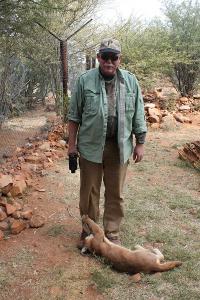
x=85 y=225
x=84 y=218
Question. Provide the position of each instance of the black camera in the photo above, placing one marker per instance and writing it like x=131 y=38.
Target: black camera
x=73 y=162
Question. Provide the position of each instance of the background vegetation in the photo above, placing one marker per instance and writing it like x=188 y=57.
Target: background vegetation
x=30 y=58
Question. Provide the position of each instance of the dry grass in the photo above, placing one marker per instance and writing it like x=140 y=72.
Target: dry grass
x=162 y=209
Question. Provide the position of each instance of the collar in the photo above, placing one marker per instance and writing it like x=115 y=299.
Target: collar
x=119 y=75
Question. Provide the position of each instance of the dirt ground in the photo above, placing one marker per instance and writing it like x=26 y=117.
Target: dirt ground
x=15 y=132
x=44 y=263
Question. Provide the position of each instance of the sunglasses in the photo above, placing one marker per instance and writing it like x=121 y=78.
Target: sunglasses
x=111 y=56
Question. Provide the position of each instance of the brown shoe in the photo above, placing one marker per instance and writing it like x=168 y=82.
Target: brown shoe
x=80 y=243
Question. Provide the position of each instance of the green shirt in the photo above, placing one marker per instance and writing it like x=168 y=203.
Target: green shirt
x=89 y=108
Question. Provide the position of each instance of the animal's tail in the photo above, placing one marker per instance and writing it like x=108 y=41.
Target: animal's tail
x=166 y=266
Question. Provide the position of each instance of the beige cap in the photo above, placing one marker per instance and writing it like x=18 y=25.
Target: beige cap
x=110 y=45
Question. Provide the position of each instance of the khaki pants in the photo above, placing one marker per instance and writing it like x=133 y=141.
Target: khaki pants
x=113 y=175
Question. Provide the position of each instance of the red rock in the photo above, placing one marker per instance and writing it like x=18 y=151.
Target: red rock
x=6 y=189
x=27 y=214
x=10 y=209
x=154 y=111
x=3 y=201
x=5 y=180
x=1 y=235
x=36 y=221
x=33 y=159
x=4 y=225
x=169 y=123
x=6 y=183
x=45 y=146
x=183 y=100
x=3 y=215
x=153 y=119
x=182 y=119
x=184 y=107
x=149 y=105
x=18 y=188
x=179 y=118
x=17 y=226
x=187 y=120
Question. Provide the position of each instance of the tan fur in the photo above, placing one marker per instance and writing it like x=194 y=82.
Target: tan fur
x=121 y=258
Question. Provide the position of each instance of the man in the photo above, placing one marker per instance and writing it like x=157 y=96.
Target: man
x=106 y=111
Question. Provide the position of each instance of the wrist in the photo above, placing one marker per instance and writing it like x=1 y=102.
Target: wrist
x=72 y=149
x=140 y=138
x=139 y=145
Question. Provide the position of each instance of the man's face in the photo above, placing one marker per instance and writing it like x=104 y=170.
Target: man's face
x=108 y=62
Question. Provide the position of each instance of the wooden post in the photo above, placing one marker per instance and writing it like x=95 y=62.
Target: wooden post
x=64 y=68
x=64 y=65
x=93 y=62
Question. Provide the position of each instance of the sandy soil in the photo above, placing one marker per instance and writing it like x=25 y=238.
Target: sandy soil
x=44 y=263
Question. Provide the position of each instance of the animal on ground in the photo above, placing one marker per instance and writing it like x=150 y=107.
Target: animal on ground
x=122 y=259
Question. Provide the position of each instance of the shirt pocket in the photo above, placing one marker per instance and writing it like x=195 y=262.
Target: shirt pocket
x=130 y=102
x=92 y=101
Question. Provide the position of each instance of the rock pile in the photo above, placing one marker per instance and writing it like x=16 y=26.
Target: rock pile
x=17 y=174
x=36 y=155
x=14 y=217
x=158 y=116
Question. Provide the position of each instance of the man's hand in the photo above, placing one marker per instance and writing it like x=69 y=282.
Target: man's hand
x=138 y=153
x=73 y=129
x=72 y=150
